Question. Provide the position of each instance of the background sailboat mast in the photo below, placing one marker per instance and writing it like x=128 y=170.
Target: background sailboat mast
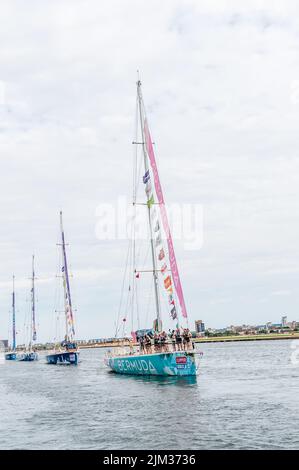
x=33 y=325
x=13 y=315
x=66 y=285
x=146 y=168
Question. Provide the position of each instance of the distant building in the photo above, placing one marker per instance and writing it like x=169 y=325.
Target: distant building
x=293 y=325
x=199 y=327
x=284 y=321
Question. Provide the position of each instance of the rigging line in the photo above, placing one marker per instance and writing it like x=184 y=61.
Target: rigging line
x=136 y=298
x=136 y=283
x=135 y=155
x=136 y=178
x=137 y=166
x=140 y=246
x=138 y=173
x=122 y=289
x=57 y=296
x=27 y=323
x=127 y=289
x=138 y=185
x=151 y=288
x=145 y=261
x=74 y=295
x=167 y=306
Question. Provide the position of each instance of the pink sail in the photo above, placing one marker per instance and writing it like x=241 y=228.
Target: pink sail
x=172 y=259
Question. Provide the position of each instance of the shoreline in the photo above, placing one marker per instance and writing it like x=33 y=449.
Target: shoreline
x=267 y=337
x=216 y=339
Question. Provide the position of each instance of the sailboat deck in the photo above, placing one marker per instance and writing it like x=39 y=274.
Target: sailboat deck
x=122 y=352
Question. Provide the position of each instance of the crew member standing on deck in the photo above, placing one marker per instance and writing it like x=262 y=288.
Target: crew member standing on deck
x=178 y=337
x=173 y=340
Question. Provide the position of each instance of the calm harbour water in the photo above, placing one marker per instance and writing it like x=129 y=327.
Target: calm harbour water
x=245 y=397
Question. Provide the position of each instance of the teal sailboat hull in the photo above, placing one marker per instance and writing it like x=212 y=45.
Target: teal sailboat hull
x=179 y=363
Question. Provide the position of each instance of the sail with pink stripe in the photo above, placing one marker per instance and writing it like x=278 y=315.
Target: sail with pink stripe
x=159 y=192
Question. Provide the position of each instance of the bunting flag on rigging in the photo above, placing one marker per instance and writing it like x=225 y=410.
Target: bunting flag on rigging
x=173 y=313
x=146 y=177
x=134 y=336
x=163 y=268
x=159 y=243
x=150 y=202
x=158 y=240
x=148 y=188
x=159 y=192
x=167 y=282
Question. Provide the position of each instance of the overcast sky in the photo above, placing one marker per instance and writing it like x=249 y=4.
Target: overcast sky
x=221 y=86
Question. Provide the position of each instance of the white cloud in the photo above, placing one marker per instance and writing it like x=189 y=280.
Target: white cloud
x=218 y=80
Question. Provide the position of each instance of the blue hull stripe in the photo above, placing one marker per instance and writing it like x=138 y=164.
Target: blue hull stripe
x=11 y=356
x=176 y=363
x=71 y=358
x=27 y=357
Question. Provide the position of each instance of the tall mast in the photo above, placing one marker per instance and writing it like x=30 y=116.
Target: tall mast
x=13 y=315
x=33 y=324
x=146 y=168
x=69 y=331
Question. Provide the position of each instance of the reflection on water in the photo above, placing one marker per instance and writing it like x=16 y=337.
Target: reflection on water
x=156 y=379
x=245 y=397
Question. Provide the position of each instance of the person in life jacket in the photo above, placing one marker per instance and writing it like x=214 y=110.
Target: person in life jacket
x=148 y=344
x=186 y=338
x=178 y=338
x=141 y=343
x=173 y=339
x=156 y=342
x=163 y=339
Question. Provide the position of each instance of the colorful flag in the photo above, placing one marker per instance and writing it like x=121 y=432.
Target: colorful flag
x=163 y=268
x=146 y=177
x=158 y=240
x=167 y=282
x=148 y=188
x=161 y=254
x=164 y=218
x=150 y=202
x=170 y=290
x=173 y=313
x=134 y=336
